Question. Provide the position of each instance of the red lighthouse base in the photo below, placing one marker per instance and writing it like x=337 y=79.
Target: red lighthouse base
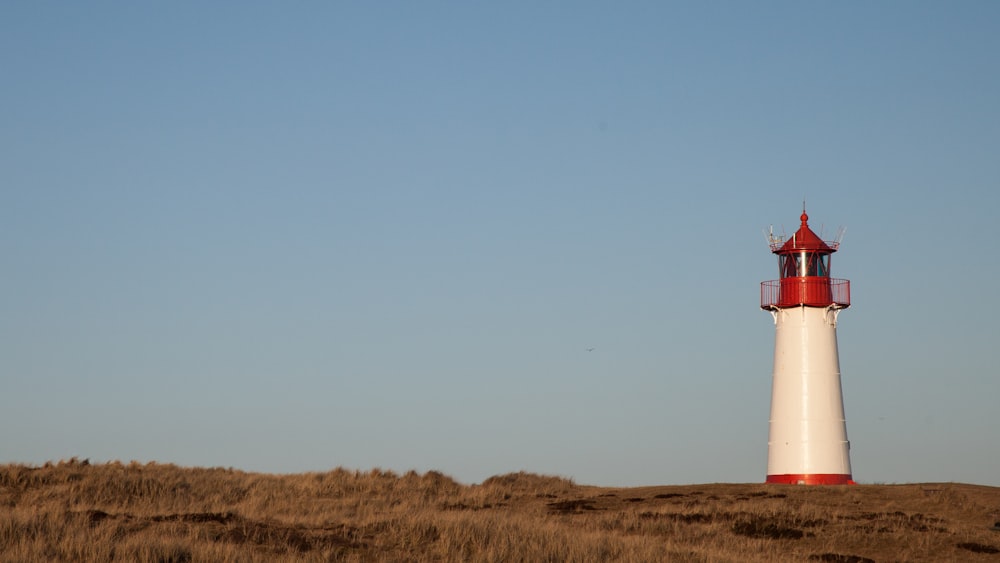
x=810 y=479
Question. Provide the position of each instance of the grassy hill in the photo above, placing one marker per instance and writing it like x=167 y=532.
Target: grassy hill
x=76 y=511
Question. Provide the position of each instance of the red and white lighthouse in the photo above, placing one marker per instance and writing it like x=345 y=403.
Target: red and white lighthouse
x=807 y=441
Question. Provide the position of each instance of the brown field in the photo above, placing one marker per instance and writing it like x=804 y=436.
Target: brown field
x=76 y=511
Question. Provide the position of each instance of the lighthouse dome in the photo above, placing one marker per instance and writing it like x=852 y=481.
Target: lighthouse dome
x=805 y=239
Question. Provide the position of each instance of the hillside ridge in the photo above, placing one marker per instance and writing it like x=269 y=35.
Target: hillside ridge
x=74 y=510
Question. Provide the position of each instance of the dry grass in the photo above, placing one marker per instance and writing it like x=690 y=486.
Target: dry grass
x=75 y=511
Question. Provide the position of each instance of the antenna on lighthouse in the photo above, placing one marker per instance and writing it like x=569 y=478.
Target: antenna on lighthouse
x=773 y=241
x=840 y=235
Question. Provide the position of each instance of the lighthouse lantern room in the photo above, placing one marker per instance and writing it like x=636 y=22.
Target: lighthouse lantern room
x=807 y=439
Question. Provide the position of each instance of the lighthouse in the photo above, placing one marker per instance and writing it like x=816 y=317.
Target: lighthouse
x=807 y=440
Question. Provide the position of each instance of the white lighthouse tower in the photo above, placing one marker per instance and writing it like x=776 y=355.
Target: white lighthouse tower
x=807 y=442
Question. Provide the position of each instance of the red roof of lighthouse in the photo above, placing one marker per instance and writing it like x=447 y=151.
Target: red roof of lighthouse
x=805 y=239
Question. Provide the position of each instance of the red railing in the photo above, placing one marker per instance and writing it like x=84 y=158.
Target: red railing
x=812 y=291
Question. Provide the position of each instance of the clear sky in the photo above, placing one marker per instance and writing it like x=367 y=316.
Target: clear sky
x=290 y=236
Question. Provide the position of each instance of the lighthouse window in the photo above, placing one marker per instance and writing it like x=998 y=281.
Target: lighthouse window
x=803 y=264
x=786 y=267
x=817 y=264
x=789 y=265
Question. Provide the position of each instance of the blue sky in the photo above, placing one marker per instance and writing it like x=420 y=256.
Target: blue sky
x=286 y=237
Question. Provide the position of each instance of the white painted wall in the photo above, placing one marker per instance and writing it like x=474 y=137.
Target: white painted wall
x=808 y=432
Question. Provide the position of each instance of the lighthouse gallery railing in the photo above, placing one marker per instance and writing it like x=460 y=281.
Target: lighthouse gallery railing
x=812 y=291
